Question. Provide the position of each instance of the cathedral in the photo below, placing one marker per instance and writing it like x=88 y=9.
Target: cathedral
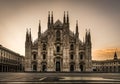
x=58 y=49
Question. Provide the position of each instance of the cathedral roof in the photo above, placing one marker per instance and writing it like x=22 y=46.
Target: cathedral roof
x=44 y=34
x=58 y=23
x=71 y=33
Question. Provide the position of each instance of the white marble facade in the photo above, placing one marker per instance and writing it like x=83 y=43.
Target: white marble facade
x=58 y=48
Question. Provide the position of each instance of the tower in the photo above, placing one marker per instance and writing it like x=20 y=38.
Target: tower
x=77 y=48
x=66 y=21
x=88 y=48
x=28 y=46
x=39 y=57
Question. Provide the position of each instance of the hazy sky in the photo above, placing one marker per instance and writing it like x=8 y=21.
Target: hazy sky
x=101 y=16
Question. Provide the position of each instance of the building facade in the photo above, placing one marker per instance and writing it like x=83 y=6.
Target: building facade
x=10 y=61
x=58 y=48
x=112 y=65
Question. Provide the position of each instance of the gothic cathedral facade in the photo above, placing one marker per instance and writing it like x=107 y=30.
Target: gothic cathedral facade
x=58 y=48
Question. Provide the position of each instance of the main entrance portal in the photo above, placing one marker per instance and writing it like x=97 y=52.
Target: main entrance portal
x=81 y=67
x=57 y=66
x=71 y=68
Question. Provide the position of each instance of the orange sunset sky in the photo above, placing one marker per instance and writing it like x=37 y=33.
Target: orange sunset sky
x=102 y=17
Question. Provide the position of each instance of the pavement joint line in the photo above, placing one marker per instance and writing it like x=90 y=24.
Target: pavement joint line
x=42 y=78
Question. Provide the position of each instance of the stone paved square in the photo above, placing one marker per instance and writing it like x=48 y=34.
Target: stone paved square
x=38 y=78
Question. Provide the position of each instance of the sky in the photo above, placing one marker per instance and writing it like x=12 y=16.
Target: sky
x=102 y=17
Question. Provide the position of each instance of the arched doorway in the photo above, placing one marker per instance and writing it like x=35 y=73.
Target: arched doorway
x=71 y=68
x=81 y=67
x=44 y=68
x=58 y=66
x=34 y=67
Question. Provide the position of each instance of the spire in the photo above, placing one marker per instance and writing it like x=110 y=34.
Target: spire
x=77 y=33
x=67 y=17
x=89 y=36
x=77 y=27
x=27 y=37
x=39 y=29
x=30 y=38
x=52 y=17
x=48 y=19
x=115 y=56
x=64 y=20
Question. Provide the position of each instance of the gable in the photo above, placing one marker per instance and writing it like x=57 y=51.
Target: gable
x=58 y=23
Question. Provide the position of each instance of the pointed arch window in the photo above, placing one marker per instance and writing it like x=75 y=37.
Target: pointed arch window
x=58 y=35
x=44 y=68
x=58 y=49
x=34 y=56
x=81 y=56
x=81 y=67
x=71 y=67
x=44 y=56
x=71 y=47
x=34 y=67
x=71 y=56
x=44 y=46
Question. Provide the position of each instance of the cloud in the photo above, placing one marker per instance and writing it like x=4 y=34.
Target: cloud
x=105 y=54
